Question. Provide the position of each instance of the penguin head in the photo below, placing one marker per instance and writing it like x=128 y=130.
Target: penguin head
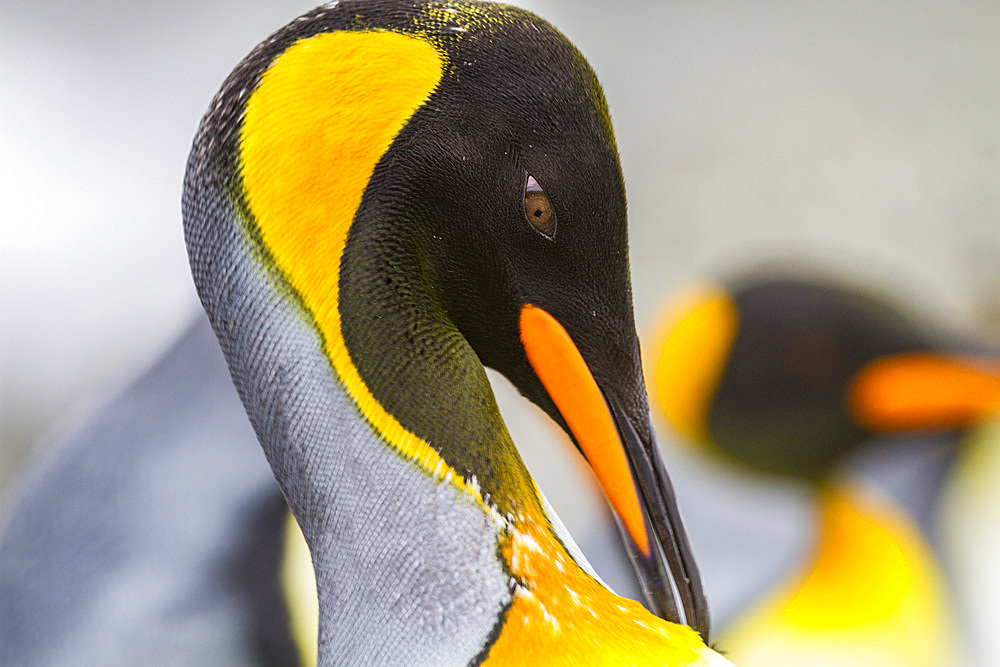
x=507 y=192
x=509 y=182
x=437 y=185
x=788 y=375
x=756 y=371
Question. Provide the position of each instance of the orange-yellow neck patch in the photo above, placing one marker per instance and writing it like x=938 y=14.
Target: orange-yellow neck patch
x=562 y=615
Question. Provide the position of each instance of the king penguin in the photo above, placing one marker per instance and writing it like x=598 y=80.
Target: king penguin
x=790 y=375
x=383 y=198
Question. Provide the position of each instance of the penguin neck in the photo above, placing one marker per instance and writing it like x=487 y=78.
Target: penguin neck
x=871 y=594
x=419 y=367
x=869 y=564
x=388 y=499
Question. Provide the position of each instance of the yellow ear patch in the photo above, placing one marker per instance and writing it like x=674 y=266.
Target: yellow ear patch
x=693 y=346
x=323 y=115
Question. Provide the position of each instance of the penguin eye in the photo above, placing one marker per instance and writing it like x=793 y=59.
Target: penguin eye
x=538 y=209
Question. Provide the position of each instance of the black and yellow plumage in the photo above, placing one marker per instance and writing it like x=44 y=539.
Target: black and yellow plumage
x=791 y=375
x=384 y=197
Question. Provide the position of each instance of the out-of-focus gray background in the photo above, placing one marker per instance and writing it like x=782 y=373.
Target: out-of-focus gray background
x=864 y=135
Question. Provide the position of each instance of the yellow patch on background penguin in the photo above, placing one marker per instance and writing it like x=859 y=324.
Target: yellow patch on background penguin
x=872 y=596
x=862 y=570
x=298 y=583
x=693 y=348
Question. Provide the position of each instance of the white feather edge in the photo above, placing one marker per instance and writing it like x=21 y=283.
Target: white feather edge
x=571 y=546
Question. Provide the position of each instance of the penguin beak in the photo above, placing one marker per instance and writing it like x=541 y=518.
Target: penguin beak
x=627 y=466
x=925 y=391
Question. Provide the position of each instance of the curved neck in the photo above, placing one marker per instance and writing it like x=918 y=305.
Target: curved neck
x=418 y=365
x=387 y=528
x=420 y=368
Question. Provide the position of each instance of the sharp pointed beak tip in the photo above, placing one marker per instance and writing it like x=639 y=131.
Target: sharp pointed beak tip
x=667 y=569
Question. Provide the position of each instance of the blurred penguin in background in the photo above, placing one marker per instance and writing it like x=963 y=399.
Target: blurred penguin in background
x=791 y=376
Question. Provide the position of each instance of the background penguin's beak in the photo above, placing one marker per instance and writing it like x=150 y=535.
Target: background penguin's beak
x=628 y=468
x=925 y=390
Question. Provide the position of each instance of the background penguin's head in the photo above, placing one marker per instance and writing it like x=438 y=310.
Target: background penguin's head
x=771 y=362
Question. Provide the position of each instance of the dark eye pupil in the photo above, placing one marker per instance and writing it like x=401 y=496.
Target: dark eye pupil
x=538 y=209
